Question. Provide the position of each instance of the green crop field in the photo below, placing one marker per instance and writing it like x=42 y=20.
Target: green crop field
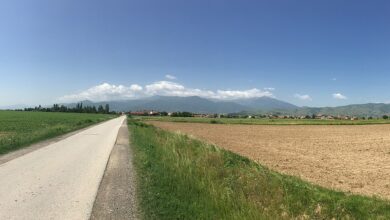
x=19 y=129
x=183 y=178
x=266 y=121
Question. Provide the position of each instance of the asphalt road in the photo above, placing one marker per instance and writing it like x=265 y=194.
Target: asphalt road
x=59 y=181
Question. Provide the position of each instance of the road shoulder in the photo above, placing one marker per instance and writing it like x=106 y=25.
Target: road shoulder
x=116 y=197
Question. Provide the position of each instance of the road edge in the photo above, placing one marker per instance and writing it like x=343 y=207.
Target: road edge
x=4 y=158
x=116 y=197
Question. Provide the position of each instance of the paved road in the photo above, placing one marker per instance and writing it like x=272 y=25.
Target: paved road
x=59 y=181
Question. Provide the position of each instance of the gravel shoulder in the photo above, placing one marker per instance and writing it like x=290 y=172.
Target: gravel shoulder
x=116 y=198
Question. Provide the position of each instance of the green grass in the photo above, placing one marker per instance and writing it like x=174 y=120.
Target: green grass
x=267 y=121
x=183 y=178
x=20 y=129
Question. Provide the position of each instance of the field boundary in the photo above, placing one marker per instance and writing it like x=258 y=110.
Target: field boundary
x=346 y=158
x=270 y=122
x=184 y=178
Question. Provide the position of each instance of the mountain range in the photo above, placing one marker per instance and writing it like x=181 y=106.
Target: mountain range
x=261 y=105
x=192 y=104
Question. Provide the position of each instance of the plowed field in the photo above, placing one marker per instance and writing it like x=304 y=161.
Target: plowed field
x=348 y=158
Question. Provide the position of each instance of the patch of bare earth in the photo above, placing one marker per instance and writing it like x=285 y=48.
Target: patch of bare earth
x=348 y=158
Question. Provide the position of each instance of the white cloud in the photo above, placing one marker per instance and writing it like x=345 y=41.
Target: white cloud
x=269 y=89
x=136 y=87
x=170 y=77
x=303 y=97
x=240 y=94
x=339 y=96
x=105 y=92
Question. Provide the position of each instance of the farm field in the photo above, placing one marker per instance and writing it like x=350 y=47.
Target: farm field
x=19 y=129
x=264 y=121
x=183 y=178
x=348 y=158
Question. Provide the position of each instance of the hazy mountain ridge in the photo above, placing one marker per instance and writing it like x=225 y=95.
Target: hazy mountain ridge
x=369 y=109
x=266 y=104
x=193 y=104
x=261 y=105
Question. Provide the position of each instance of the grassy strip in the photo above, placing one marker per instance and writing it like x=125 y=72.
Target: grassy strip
x=267 y=121
x=183 y=178
x=20 y=129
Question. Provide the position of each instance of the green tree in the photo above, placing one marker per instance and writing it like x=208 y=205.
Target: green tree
x=107 y=108
x=100 y=109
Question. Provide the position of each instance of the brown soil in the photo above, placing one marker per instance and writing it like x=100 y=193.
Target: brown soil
x=348 y=158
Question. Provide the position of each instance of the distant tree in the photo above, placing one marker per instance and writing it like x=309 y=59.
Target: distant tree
x=78 y=108
x=100 y=109
x=385 y=117
x=107 y=108
x=56 y=108
x=163 y=113
x=182 y=114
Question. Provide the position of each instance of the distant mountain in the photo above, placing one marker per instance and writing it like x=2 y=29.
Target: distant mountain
x=261 y=105
x=171 y=104
x=193 y=104
x=370 y=109
x=12 y=107
x=266 y=104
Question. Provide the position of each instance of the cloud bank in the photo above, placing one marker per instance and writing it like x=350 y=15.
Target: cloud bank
x=107 y=92
x=303 y=97
x=339 y=96
x=170 y=77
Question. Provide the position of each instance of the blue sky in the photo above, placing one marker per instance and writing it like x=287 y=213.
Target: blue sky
x=313 y=53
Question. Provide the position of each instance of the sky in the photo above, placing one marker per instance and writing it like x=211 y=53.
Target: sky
x=309 y=53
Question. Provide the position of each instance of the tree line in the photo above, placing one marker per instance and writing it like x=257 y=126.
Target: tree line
x=79 y=108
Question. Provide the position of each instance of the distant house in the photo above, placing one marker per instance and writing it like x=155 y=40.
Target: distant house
x=330 y=117
x=138 y=113
x=321 y=117
x=154 y=113
x=145 y=113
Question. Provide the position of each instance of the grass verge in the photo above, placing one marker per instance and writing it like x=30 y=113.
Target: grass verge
x=183 y=178
x=20 y=129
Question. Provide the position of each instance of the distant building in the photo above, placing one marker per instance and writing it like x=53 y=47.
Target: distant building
x=145 y=113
